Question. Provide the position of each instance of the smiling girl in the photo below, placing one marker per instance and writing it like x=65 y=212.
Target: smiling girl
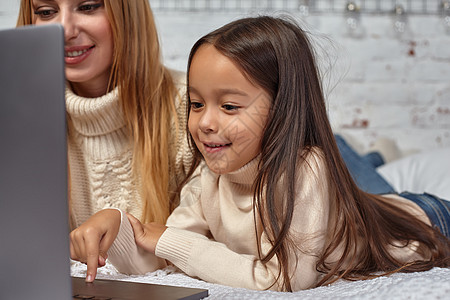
x=271 y=204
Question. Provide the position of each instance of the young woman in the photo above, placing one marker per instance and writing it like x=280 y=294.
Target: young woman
x=125 y=147
x=272 y=204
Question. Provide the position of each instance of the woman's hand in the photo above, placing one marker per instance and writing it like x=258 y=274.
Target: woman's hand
x=89 y=243
x=146 y=235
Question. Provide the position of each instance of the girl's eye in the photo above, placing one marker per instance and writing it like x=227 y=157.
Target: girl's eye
x=230 y=107
x=196 y=105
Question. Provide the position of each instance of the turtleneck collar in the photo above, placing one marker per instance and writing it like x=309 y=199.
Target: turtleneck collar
x=246 y=174
x=95 y=116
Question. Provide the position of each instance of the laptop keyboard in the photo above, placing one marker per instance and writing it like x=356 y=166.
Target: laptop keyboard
x=90 y=297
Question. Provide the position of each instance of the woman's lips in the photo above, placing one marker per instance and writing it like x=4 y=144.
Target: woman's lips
x=75 y=55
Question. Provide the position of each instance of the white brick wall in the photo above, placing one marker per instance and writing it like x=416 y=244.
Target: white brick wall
x=399 y=88
x=382 y=85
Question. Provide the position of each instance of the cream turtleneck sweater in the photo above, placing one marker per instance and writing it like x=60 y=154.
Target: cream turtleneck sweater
x=211 y=234
x=100 y=154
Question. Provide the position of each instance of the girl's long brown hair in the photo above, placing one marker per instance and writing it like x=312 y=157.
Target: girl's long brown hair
x=146 y=91
x=276 y=55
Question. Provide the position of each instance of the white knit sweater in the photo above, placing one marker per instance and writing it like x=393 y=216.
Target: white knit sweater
x=100 y=154
x=211 y=234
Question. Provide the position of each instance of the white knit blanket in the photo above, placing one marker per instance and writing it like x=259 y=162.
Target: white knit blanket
x=433 y=284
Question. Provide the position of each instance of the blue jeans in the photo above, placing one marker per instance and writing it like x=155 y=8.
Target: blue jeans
x=363 y=169
x=437 y=210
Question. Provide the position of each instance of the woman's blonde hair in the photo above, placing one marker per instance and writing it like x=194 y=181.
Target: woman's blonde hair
x=146 y=91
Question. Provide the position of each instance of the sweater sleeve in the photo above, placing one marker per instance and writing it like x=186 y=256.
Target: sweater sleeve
x=127 y=257
x=187 y=243
x=199 y=256
x=189 y=215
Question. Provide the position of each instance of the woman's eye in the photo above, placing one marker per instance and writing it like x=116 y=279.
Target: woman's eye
x=89 y=7
x=44 y=13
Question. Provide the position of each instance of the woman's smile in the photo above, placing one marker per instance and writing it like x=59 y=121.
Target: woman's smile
x=76 y=55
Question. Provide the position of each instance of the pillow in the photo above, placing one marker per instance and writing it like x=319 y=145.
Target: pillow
x=423 y=172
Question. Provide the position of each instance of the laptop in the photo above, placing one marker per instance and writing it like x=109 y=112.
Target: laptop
x=34 y=230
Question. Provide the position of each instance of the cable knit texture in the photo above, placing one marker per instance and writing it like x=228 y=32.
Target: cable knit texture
x=100 y=154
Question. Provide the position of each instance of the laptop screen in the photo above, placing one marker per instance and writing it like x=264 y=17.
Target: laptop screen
x=34 y=249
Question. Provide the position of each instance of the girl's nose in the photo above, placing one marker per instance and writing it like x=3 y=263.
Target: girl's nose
x=208 y=122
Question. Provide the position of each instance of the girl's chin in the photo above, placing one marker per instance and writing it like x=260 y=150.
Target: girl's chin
x=219 y=169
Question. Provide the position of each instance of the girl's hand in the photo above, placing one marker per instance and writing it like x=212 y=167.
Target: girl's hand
x=146 y=235
x=89 y=243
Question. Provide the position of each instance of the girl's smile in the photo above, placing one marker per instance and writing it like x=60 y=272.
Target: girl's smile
x=227 y=111
x=214 y=147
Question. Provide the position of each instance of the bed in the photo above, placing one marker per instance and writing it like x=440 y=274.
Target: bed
x=417 y=173
x=432 y=284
